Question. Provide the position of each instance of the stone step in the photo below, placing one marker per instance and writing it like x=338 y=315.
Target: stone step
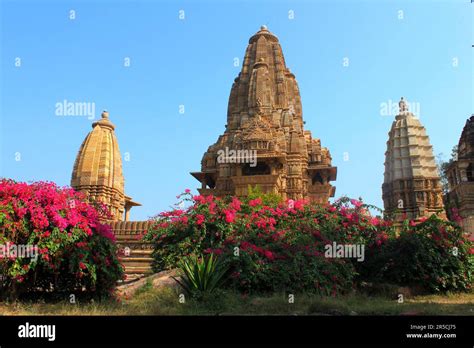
x=133 y=265
x=137 y=237
x=136 y=259
x=134 y=243
x=144 y=256
x=139 y=262
x=137 y=269
x=121 y=239
x=139 y=252
x=130 y=238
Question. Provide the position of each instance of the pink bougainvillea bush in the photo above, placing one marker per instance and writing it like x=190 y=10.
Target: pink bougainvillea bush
x=269 y=248
x=432 y=253
x=272 y=247
x=52 y=243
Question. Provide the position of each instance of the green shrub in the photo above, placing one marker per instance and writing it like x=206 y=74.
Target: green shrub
x=268 y=248
x=268 y=199
x=282 y=247
x=434 y=254
x=201 y=276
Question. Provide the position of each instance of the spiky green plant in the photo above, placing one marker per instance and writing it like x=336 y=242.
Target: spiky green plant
x=201 y=275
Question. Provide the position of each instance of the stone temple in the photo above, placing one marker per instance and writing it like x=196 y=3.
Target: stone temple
x=264 y=143
x=98 y=169
x=98 y=173
x=412 y=187
x=461 y=178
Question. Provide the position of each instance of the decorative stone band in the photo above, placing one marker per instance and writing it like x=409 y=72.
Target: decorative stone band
x=129 y=228
x=413 y=198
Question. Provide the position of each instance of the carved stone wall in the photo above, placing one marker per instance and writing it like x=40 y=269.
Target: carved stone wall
x=461 y=178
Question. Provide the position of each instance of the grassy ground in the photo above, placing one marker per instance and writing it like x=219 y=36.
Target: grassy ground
x=165 y=301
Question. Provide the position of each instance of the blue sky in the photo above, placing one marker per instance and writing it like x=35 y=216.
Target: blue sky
x=417 y=49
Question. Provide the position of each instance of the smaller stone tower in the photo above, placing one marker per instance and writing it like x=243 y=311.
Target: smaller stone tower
x=98 y=170
x=412 y=187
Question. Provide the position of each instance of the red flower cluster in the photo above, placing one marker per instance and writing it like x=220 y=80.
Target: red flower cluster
x=59 y=223
x=46 y=206
x=264 y=239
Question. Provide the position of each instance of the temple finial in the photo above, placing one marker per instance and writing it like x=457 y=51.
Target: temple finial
x=105 y=114
x=402 y=106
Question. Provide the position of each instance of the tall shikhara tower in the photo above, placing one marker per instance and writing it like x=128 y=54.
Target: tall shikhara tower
x=264 y=142
x=411 y=187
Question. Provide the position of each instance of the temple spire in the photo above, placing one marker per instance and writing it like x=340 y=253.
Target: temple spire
x=265 y=118
x=98 y=169
x=411 y=187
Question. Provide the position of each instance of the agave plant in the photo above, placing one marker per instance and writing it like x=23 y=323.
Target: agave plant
x=201 y=275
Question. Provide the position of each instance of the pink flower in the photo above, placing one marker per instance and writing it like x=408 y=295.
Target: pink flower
x=229 y=216
x=356 y=203
x=354 y=217
x=43 y=250
x=255 y=202
x=199 y=199
x=268 y=254
x=106 y=231
x=245 y=245
x=299 y=205
x=235 y=203
x=212 y=207
x=200 y=219
x=374 y=221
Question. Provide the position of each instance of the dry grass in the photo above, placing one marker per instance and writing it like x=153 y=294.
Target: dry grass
x=165 y=301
